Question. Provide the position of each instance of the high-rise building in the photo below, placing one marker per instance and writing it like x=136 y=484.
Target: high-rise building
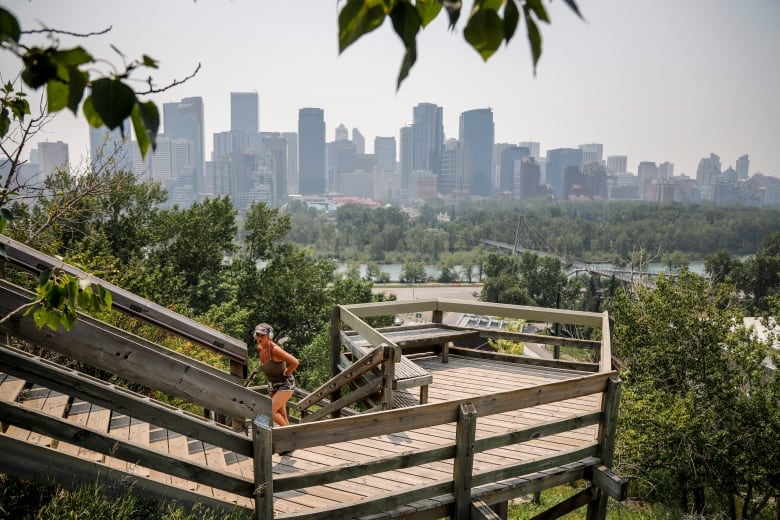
x=184 y=120
x=359 y=140
x=533 y=148
x=591 y=153
x=385 y=152
x=245 y=113
x=406 y=160
x=708 y=168
x=742 y=166
x=292 y=162
x=311 y=151
x=666 y=170
x=647 y=172
x=342 y=134
x=527 y=182
x=111 y=148
x=617 y=164
x=428 y=137
x=449 y=167
x=275 y=144
x=558 y=160
x=52 y=156
x=477 y=136
x=510 y=167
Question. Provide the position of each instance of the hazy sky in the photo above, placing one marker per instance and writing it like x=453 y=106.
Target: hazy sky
x=656 y=80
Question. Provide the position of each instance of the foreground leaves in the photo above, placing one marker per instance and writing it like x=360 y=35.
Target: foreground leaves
x=490 y=22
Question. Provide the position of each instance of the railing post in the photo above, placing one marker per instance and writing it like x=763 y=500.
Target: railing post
x=391 y=356
x=262 y=450
x=335 y=352
x=465 y=434
x=610 y=403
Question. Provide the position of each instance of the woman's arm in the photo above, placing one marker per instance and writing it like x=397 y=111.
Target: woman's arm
x=283 y=355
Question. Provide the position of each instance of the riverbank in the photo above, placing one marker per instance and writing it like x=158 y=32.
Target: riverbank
x=426 y=291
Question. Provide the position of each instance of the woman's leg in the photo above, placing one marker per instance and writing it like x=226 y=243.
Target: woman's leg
x=279 y=406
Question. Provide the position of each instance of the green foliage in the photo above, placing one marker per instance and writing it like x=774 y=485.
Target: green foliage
x=60 y=296
x=27 y=500
x=68 y=74
x=485 y=29
x=695 y=419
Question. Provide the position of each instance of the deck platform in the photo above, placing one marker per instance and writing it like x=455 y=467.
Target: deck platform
x=459 y=378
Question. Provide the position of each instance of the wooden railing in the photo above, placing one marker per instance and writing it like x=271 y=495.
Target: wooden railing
x=33 y=261
x=110 y=349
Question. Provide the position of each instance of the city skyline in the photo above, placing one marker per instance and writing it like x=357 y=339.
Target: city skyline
x=648 y=82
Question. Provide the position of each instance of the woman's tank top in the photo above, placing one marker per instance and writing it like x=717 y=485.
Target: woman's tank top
x=274 y=371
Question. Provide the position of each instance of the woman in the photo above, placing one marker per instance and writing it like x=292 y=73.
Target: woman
x=278 y=366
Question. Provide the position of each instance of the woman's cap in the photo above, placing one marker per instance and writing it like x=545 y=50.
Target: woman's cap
x=263 y=329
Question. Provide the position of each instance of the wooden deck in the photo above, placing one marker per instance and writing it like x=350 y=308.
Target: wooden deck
x=460 y=378
x=494 y=427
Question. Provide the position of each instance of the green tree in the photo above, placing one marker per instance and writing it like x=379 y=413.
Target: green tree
x=414 y=272
x=695 y=420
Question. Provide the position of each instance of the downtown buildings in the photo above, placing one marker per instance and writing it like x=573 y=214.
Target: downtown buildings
x=253 y=164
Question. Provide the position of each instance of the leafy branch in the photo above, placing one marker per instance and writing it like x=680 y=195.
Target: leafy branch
x=490 y=23
x=59 y=297
x=65 y=74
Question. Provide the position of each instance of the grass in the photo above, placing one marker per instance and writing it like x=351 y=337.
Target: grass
x=29 y=500
x=628 y=510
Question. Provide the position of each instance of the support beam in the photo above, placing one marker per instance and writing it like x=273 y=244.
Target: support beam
x=465 y=434
x=574 y=502
x=482 y=511
x=263 y=467
x=607 y=481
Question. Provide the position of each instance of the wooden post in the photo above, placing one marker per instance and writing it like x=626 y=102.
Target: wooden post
x=445 y=352
x=391 y=356
x=437 y=316
x=465 y=434
x=335 y=352
x=610 y=402
x=262 y=450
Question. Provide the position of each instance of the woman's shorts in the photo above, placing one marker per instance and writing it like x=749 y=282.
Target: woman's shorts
x=287 y=384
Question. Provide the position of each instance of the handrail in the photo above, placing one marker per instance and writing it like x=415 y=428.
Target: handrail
x=34 y=261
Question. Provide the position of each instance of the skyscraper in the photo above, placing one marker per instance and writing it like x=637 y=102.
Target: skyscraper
x=406 y=160
x=245 y=119
x=591 y=153
x=617 y=164
x=311 y=151
x=292 y=162
x=52 y=156
x=477 y=136
x=245 y=112
x=510 y=167
x=558 y=160
x=427 y=137
x=184 y=120
x=385 y=152
x=742 y=166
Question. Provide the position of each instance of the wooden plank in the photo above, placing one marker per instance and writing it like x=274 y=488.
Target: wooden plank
x=100 y=346
x=482 y=511
x=367 y=425
x=31 y=461
x=10 y=387
x=367 y=362
x=607 y=481
x=79 y=385
x=569 y=505
x=179 y=464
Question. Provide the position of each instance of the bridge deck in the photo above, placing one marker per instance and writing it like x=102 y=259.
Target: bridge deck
x=460 y=377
